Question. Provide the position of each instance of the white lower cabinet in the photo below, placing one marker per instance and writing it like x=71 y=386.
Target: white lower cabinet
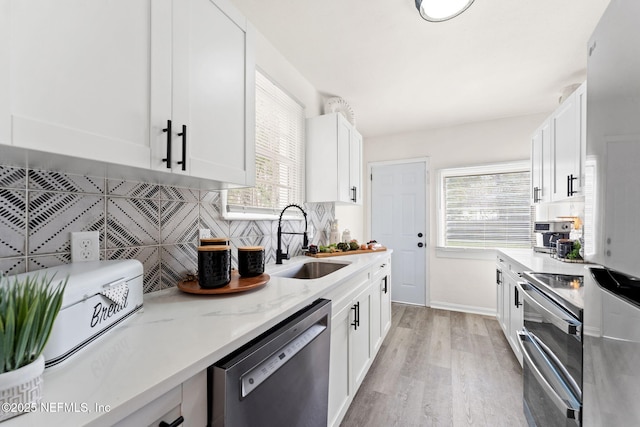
x=509 y=302
x=380 y=297
x=187 y=401
x=360 y=344
x=166 y=408
x=361 y=318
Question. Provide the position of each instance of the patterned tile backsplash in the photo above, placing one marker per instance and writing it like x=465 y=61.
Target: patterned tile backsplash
x=157 y=225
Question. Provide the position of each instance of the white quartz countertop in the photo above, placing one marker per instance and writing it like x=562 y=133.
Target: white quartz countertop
x=542 y=263
x=176 y=336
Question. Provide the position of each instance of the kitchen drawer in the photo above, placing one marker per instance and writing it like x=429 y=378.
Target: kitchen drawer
x=166 y=408
x=343 y=294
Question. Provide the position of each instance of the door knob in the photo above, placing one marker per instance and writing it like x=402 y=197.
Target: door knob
x=420 y=244
x=420 y=234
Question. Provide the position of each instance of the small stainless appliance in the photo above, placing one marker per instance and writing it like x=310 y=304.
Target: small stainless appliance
x=281 y=378
x=551 y=344
x=549 y=232
x=99 y=295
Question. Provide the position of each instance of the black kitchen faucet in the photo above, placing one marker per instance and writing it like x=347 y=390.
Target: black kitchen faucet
x=305 y=239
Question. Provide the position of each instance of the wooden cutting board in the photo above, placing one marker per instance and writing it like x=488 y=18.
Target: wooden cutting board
x=355 y=252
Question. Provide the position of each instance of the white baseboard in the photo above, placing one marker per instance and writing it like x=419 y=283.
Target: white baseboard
x=463 y=308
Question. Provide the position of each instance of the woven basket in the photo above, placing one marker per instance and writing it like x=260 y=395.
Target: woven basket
x=21 y=389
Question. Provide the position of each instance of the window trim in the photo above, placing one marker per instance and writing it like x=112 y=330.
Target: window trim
x=443 y=251
x=227 y=215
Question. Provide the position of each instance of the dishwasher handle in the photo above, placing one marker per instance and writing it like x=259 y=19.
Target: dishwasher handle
x=270 y=365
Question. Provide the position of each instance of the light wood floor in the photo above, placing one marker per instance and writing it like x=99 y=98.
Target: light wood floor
x=440 y=368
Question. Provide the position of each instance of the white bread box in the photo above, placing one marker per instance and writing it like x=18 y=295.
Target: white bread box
x=99 y=295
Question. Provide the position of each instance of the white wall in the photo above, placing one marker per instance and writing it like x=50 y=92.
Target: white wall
x=455 y=283
x=276 y=66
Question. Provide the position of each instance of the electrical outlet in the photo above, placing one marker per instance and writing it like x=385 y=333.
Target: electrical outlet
x=204 y=233
x=85 y=246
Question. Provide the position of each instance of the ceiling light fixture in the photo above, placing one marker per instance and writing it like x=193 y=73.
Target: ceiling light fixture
x=441 y=10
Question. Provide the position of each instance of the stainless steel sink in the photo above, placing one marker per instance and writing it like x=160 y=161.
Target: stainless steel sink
x=311 y=270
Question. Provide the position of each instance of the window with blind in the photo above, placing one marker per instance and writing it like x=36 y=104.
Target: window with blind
x=486 y=207
x=280 y=143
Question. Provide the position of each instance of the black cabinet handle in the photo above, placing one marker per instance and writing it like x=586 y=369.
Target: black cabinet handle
x=358 y=312
x=498 y=277
x=176 y=423
x=420 y=244
x=385 y=289
x=168 y=131
x=536 y=194
x=354 y=191
x=570 y=180
x=183 y=134
x=516 y=295
x=355 y=322
x=420 y=234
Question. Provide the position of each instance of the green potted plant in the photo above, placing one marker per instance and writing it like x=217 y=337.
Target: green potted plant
x=28 y=307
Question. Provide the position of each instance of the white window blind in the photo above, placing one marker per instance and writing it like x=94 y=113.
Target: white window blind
x=280 y=130
x=485 y=208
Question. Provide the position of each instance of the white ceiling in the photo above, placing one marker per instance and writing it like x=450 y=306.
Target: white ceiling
x=399 y=73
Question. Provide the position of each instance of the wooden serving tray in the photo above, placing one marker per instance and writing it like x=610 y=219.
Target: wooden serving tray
x=237 y=284
x=355 y=252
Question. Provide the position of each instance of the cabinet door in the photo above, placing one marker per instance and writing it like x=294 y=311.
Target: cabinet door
x=541 y=162
x=499 y=296
x=80 y=78
x=516 y=319
x=566 y=148
x=344 y=161
x=375 y=330
x=214 y=91
x=355 y=167
x=385 y=305
x=360 y=345
x=581 y=152
x=339 y=385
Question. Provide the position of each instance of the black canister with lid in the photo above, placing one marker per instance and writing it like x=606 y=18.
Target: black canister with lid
x=214 y=266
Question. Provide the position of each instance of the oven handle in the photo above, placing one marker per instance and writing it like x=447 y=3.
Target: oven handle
x=558 y=364
x=571 y=413
x=553 y=313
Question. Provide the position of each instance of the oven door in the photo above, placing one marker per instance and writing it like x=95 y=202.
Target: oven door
x=549 y=398
x=551 y=344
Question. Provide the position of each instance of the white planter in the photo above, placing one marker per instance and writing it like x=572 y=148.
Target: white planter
x=21 y=389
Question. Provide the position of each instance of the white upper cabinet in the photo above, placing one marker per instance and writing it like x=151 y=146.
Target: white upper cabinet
x=558 y=151
x=541 y=163
x=566 y=148
x=80 y=74
x=355 y=167
x=211 y=74
x=105 y=80
x=334 y=160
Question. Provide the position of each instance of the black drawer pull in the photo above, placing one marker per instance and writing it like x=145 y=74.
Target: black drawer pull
x=176 y=423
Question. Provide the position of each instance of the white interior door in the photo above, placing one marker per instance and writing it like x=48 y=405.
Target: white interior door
x=398 y=220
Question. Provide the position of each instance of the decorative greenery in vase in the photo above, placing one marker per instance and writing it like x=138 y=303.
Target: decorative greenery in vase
x=28 y=308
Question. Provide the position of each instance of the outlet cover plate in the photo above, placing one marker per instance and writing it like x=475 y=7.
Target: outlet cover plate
x=85 y=246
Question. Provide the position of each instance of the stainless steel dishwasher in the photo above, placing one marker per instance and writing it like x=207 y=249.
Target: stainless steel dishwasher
x=281 y=378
